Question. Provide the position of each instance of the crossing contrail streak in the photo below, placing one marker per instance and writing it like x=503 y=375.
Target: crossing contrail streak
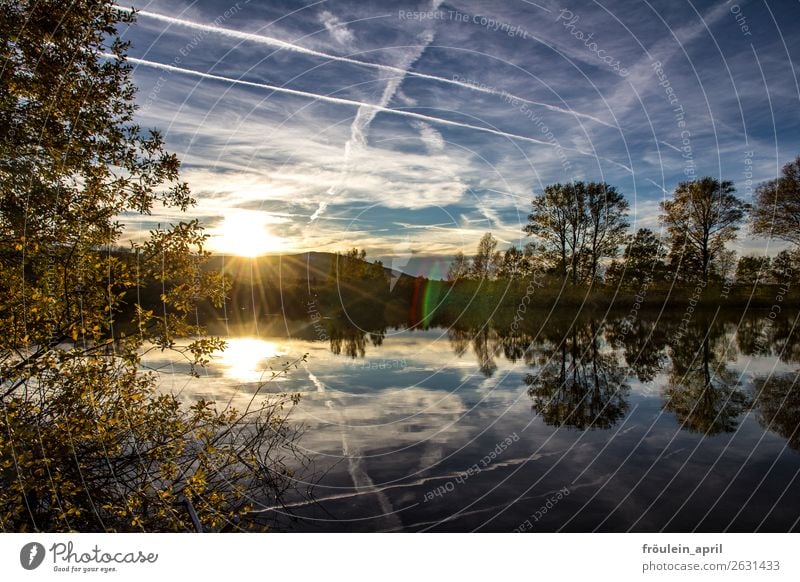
x=282 y=44
x=329 y=99
x=359 y=128
x=353 y=103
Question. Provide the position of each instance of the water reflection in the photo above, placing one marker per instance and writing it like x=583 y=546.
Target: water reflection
x=352 y=341
x=777 y=406
x=391 y=414
x=247 y=359
x=579 y=369
x=703 y=393
x=643 y=344
x=578 y=382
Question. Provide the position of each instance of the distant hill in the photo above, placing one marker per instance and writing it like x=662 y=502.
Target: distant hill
x=313 y=268
x=285 y=284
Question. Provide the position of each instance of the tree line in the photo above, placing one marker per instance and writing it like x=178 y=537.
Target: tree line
x=87 y=441
x=580 y=233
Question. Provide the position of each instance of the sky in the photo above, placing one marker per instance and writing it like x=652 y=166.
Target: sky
x=409 y=129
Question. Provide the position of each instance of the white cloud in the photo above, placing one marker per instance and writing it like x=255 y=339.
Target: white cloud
x=433 y=140
x=337 y=29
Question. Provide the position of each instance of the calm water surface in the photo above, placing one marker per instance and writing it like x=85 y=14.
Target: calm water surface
x=575 y=425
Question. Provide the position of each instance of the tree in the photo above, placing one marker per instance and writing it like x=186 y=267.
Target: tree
x=486 y=259
x=724 y=265
x=579 y=224
x=643 y=257
x=701 y=218
x=776 y=206
x=783 y=268
x=513 y=264
x=751 y=270
x=643 y=344
x=459 y=267
x=608 y=223
x=613 y=274
x=353 y=266
x=87 y=442
x=549 y=220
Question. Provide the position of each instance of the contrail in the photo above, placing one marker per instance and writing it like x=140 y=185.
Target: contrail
x=282 y=44
x=353 y=103
x=329 y=99
x=364 y=117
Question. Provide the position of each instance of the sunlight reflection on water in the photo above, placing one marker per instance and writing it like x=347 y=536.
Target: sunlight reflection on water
x=246 y=359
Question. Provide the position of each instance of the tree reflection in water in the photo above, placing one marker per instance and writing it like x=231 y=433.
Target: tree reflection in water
x=352 y=341
x=580 y=367
x=643 y=343
x=579 y=382
x=777 y=406
x=704 y=395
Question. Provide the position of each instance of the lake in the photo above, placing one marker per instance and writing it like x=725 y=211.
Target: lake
x=590 y=423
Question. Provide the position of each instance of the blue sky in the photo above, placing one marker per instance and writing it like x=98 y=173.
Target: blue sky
x=412 y=128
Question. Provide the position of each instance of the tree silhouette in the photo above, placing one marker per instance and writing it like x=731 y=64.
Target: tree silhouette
x=579 y=224
x=608 y=223
x=512 y=265
x=459 y=340
x=784 y=268
x=486 y=259
x=553 y=221
x=351 y=340
x=643 y=258
x=752 y=270
x=459 y=268
x=776 y=206
x=702 y=216
x=486 y=348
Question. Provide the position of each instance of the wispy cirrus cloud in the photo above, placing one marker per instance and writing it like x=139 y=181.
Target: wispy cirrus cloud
x=337 y=29
x=370 y=122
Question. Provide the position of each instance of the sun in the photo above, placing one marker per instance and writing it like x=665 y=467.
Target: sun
x=245 y=234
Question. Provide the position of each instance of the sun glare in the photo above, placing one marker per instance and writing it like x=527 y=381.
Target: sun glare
x=247 y=359
x=244 y=234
